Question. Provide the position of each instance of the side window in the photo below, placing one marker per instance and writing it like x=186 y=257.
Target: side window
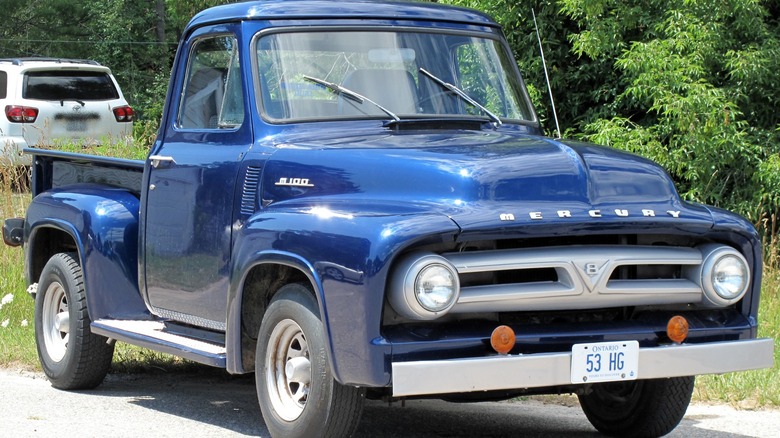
x=3 y=84
x=213 y=96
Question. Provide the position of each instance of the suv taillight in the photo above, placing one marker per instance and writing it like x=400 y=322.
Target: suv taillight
x=124 y=114
x=21 y=114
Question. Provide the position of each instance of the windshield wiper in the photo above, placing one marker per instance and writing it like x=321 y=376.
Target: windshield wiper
x=351 y=95
x=460 y=93
x=80 y=102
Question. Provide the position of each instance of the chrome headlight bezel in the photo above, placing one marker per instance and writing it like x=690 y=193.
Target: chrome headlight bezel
x=723 y=262
x=404 y=286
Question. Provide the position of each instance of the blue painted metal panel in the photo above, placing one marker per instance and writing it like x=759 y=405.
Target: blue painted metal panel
x=187 y=223
x=735 y=230
x=470 y=174
x=326 y=9
x=347 y=252
x=472 y=339
x=103 y=223
x=95 y=159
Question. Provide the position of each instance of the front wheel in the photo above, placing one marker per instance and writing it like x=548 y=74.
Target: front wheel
x=295 y=387
x=72 y=357
x=640 y=408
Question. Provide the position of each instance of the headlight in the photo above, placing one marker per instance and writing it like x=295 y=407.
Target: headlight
x=424 y=287
x=729 y=277
x=725 y=275
x=435 y=287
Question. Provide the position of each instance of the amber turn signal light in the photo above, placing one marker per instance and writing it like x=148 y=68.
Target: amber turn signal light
x=677 y=329
x=502 y=339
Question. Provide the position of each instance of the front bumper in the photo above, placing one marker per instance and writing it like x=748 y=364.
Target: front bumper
x=554 y=369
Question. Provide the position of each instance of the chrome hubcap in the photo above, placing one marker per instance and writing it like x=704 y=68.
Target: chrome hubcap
x=288 y=370
x=55 y=321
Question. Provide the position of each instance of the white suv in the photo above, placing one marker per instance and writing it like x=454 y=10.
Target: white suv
x=46 y=101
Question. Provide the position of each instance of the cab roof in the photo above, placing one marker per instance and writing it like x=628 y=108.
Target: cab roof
x=342 y=9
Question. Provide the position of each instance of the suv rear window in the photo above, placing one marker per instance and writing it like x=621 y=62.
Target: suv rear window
x=68 y=85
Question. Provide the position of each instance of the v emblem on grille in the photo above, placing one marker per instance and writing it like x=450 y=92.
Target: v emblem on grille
x=591 y=271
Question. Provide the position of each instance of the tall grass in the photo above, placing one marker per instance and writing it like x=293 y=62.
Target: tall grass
x=17 y=344
x=761 y=387
x=751 y=389
x=134 y=148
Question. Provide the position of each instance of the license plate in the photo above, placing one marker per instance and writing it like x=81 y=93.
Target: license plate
x=76 y=125
x=604 y=362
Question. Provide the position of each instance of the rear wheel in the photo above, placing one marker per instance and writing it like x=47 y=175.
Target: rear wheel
x=295 y=387
x=72 y=357
x=640 y=408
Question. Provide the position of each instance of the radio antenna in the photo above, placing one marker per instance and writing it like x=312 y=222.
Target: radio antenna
x=547 y=76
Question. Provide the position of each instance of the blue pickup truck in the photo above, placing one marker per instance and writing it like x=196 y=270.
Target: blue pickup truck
x=355 y=200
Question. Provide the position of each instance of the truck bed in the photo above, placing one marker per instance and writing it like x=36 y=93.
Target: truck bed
x=53 y=169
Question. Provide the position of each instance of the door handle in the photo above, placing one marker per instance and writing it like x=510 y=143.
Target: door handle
x=158 y=159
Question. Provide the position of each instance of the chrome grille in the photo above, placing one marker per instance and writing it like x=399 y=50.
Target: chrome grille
x=586 y=277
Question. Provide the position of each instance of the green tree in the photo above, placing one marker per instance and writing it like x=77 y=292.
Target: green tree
x=691 y=84
x=33 y=28
x=136 y=39
x=697 y=91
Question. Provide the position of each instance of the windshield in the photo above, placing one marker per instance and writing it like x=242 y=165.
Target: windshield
x=385 y=67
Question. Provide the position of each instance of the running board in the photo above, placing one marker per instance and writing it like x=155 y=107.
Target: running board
x=155 y=336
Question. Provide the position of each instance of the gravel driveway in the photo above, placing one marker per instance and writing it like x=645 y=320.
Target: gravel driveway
x=208 y=404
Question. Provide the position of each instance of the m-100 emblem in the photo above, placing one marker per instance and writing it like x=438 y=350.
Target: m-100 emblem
x=294 y=182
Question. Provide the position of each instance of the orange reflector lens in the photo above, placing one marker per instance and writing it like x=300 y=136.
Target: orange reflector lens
x=503 y=339
x=677 y=329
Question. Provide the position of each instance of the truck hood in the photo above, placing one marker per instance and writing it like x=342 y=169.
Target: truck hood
x=481 y=180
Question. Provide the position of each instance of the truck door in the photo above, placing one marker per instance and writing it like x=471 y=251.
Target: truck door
x=190 y=198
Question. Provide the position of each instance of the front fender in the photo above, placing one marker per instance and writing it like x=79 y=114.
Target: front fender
x=742 y=235
x=103 y=225
x=240 y=271
x=346 y=255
